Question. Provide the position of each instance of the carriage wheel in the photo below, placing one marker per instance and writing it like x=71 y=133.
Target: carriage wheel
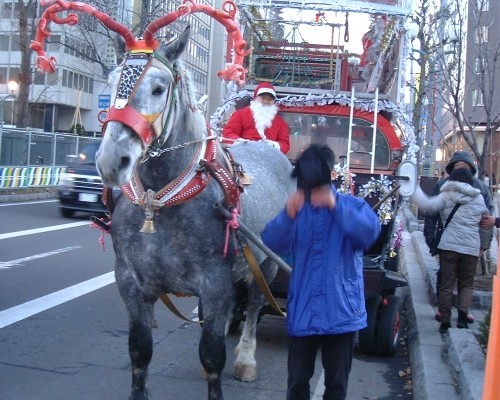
x=389 y=327
x=366 y=337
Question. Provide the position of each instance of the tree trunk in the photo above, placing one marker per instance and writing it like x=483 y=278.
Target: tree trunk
x=26 y=29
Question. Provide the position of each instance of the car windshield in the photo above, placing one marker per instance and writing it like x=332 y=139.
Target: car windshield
x=87 y=155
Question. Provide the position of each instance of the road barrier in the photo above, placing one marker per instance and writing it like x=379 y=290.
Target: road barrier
x=21 y=177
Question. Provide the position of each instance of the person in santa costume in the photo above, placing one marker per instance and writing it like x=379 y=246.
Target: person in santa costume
x=259 y=121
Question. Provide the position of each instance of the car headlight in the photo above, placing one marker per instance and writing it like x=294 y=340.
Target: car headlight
x=66 y=179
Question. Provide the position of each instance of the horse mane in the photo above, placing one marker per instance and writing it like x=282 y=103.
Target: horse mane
x=186 y=81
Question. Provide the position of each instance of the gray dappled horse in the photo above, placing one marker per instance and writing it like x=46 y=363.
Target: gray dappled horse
x=157 y=149
x=185 y=255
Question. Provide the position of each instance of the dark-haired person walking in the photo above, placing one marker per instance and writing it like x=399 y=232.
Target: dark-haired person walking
x=326 y=233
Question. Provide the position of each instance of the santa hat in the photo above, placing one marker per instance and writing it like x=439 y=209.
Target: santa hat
x=264 y=87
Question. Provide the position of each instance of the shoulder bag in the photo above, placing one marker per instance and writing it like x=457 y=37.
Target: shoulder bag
x=437 y=238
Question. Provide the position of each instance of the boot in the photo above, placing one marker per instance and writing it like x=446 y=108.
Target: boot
x=470 y=318
x=443 y=328
x=462 y=320
x=437 y=316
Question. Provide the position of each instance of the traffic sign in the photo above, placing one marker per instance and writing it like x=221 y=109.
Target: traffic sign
x=104 y=100
x=102 y=116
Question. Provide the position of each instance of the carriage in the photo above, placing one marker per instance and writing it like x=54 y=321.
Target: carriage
x=328 y=95
x=167 y=233
x=373 y=178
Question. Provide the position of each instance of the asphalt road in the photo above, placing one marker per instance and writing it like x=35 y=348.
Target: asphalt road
x=63 y=327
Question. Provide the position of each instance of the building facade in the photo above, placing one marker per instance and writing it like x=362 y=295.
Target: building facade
x=481 y=100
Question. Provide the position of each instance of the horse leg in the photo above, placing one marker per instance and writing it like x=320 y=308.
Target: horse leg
x=212 y=348
x=245 y=365
x=237 y=308
x=140 y=339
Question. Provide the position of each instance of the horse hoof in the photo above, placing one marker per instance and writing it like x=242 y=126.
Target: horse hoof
x=245 y=373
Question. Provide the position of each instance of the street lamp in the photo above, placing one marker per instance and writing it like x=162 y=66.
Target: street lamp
x=12 y=87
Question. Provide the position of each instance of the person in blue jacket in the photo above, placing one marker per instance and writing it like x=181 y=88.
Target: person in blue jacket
x=326 y=233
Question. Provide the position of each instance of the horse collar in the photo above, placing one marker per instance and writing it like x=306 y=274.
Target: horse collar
x=191 y=181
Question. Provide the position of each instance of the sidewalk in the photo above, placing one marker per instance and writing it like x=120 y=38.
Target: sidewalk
x=447 y=366
x=26 y=194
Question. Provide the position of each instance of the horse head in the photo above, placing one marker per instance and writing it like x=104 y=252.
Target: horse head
x=148 y=101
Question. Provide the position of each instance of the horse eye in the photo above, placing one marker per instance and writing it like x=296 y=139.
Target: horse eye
x=158 y=91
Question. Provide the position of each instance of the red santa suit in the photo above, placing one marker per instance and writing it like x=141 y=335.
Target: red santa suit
x=241 y=125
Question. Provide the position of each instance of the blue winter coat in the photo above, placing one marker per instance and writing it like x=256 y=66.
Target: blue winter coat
x=326 y=291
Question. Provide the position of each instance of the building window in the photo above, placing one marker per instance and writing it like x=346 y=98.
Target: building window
x=65 y=78
x=4 y=42
x=477 y=98
x=481 y=34
x=478 y=66
x=52 y=79
x=14 y=73
x=54 y=43
x=16 y=41
x=77 y=81
x=3 y=74
x=39 y=78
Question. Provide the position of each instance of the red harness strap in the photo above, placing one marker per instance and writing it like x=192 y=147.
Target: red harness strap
x=132 y=118
x=229 y=183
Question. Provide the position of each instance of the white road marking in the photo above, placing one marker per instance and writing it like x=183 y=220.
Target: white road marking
x=19 y=262
x=18 y=203
x=30 y=308
x=42 y=230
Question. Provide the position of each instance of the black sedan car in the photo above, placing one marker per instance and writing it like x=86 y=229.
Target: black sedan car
x=80 y=187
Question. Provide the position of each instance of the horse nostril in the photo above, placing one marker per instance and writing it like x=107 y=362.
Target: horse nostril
x=124 y=162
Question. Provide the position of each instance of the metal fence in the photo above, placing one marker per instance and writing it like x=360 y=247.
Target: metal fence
x=31 y=159
x=27 y=147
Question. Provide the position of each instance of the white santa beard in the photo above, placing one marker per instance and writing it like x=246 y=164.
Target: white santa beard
x=263 y=115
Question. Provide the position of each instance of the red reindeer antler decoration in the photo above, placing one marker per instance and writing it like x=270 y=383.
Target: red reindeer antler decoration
x=234 y=71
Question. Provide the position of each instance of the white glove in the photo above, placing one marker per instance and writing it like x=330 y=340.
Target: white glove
x=240 y=140
x=272 y=143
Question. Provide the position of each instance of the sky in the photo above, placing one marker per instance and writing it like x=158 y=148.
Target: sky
x=358 y=25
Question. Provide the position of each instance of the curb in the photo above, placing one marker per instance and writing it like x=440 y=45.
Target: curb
x=27 y=194
x=430 y=372
x=466 y=363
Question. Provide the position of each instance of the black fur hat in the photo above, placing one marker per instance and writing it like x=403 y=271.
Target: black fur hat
x=314 y=167
x=461 y=175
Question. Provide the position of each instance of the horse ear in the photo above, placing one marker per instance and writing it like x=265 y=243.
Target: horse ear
x=174 y=49
x=119 y=45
